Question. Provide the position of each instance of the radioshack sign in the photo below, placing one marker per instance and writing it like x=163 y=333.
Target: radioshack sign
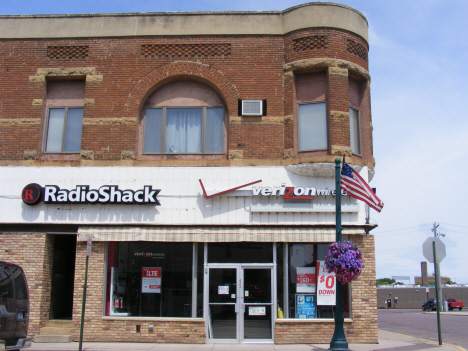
x=33 y=194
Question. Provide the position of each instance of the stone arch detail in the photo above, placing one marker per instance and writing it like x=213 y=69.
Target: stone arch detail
x=162 y=75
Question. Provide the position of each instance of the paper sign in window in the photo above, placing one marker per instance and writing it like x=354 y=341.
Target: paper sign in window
x=257 y=311
x=305 y=279
x=223 y=290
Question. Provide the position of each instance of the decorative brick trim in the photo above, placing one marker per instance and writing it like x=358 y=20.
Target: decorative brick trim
x=88 y=102
x=79 y=52
x=339 y=116
x=30 y=155
x=356 y=49
x=87 y=154
x=313 y=42
x=181 y=51
x=192 y=70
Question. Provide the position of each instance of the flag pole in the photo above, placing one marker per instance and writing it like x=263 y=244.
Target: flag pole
x=338 y=341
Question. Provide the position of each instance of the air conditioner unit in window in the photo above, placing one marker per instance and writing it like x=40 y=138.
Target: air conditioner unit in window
x=252 y=107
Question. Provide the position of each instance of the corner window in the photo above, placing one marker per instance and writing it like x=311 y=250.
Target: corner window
x=312 y=126
x=355 y=130
x=184 y=130
x=64 y=127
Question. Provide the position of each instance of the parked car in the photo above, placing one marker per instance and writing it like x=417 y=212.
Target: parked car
x=430 y=305
x=452 y=303
x=14 y=308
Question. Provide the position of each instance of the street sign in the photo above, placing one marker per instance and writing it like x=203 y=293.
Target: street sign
x=428 y=252
x=88 y=246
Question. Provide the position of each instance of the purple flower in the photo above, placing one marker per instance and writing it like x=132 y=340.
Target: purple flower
x=345 y=259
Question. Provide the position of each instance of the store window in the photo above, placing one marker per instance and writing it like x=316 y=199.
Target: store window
x=355 y=130
x=184 y=117
x=150 y=279
x=299 y=279
x=64 y=116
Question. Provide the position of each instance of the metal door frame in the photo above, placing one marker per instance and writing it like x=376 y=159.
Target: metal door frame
x=240 y=306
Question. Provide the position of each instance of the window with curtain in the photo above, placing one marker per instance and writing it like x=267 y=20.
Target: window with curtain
x=312 y=126
x=183 y=130
x=355 y=130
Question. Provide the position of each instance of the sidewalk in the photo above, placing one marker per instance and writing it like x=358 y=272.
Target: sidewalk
x=387 y=342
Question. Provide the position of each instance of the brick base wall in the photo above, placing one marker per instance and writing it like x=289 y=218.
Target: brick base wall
x=33 y=252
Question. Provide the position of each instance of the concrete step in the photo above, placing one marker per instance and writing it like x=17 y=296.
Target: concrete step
x=55 y=331
x=59 y=323
x=52 y=338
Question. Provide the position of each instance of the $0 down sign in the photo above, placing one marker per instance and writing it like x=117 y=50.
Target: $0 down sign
x=326 y=286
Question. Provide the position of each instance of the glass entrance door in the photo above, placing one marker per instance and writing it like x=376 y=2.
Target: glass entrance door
x=258 y=304
x=240 y=303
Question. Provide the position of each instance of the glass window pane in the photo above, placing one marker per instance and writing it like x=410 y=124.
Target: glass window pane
x=153 y=130
x=55 y=130
x=355 y=131
x=183 y=130
x=150 y=279
x=74 y=127
x=214 y=130
x=240 y=253
x=312 y=126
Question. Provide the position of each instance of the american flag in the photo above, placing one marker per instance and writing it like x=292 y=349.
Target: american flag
x=357 y=187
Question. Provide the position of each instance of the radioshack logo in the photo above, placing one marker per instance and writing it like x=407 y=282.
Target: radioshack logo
x=32 y=194
x=107 y=194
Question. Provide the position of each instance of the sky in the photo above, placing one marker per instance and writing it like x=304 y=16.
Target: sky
x=418 y=60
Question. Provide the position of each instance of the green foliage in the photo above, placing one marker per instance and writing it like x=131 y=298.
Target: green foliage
x=385 y=281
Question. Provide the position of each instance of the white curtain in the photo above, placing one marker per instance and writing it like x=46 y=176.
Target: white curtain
x=183 y=130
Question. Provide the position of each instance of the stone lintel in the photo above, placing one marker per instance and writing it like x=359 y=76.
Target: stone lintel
x=340 y=150
x=338 y=71
x=37 y=102
x=65 y=72
x=339 y=115
x=94 y=78
x=323 y=63
x=256 y=120
x=124 y=121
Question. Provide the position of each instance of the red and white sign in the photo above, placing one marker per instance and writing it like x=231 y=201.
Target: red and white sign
x=305 y=279
x=151 y=280
x=326 y=286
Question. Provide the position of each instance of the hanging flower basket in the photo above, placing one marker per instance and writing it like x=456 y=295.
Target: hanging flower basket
x=345 y=260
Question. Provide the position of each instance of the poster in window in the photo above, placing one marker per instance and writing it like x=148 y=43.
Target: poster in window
x=305 y=279
x=151 y=280
x=326 y=286
x=305 y=306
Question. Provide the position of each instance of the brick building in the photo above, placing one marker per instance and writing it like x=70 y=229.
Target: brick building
x=197 y=150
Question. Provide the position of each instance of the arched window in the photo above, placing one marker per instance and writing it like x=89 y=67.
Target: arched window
x=184 y=117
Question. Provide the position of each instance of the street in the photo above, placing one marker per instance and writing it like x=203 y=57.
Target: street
x=418 y=324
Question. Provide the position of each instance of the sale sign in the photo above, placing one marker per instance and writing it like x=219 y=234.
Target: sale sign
x=151 y=280
x=326 y=286
x=305 y=279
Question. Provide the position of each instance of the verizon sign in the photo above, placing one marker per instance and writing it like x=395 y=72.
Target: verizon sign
x=33 y=194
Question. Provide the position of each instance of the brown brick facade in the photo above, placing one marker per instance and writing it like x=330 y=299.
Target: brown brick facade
x=33 y=252
x=127 y=70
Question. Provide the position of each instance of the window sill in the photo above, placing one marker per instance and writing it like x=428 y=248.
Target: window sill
x=311 y=320
x=52 y=156
x=151 y=157
x=135 y=318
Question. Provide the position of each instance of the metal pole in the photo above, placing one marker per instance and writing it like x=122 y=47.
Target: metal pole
x=83 y=305
x=437 y=293
x=338 y=341
x=437 y=272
